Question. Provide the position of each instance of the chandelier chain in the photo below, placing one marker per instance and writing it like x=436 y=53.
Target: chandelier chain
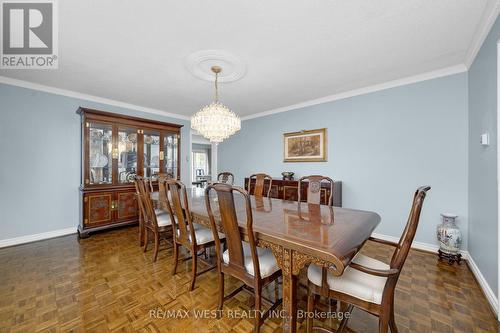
x=216 y=88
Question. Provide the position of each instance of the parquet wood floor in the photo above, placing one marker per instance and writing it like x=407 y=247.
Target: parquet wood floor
x=106 y=284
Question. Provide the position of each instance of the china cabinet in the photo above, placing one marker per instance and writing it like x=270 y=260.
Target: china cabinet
x=115 y=148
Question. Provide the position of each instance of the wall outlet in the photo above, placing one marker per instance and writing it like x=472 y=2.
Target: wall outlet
x=485 y=139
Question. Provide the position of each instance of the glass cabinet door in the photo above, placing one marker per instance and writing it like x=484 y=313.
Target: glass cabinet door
x=151 y=153
x=170 y=154
x=127 y=154
x=100 y=153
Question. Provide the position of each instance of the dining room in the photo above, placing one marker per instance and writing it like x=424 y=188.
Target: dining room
x=267 y=166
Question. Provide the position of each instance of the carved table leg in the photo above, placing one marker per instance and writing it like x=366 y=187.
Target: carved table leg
x=289 y=293
x=291 y=262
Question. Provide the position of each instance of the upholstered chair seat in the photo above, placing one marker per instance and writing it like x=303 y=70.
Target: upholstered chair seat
x=203 y=235
x=163 y=220
x=267 y=262
x=159 y=211
x=354 y=282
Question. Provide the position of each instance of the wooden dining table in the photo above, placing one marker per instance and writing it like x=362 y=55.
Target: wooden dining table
x=298 y=235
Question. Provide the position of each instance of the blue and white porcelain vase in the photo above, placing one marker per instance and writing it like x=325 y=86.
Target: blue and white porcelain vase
x=449 y=235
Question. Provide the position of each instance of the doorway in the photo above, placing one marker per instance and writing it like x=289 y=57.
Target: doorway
x=203 y=161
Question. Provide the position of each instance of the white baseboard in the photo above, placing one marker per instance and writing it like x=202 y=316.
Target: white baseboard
x=490 y=295
x=418 y=245
x=37 y=237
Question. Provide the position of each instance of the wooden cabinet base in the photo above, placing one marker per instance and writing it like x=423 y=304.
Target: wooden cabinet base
x=86 y=232
x=107 y=208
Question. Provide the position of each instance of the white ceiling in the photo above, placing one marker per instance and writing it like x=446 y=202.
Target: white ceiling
x=294 y=51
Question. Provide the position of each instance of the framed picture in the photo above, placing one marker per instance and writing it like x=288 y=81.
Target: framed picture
x=305 y=146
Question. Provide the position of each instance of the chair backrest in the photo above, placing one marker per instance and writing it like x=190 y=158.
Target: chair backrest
x=145 y=203
x=401 y=252
x=167 y=175
x=314 y=189
x=149 y=182
x=226 y=178
x=180 y=215
x=229 y=225
x=137 y=182
x=162 y=190
x=260 y=179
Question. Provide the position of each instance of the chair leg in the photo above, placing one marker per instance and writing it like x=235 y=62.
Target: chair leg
x=392 y=320
x=141 y=230
x=310 y=309
x=345 y=308
x=221 y=292
x=146 y=240
x=176 y=257
x=383 y=323
x=333 y=303
x=258 y=302
x=193 y=268
x=276 y=290
x=156 y=248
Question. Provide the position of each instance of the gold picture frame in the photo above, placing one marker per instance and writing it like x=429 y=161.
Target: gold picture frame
x=305 y=146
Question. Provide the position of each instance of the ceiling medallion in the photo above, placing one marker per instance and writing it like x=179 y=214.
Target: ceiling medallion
x=200 y=64
x=215 y=121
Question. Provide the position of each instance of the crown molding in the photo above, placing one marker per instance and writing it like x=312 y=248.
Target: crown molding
x=481 y=34
x=92 y=98
x=366 y=90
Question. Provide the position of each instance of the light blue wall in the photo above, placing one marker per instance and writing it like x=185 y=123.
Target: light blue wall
x=40 y=159
x=483 y=225
x=381 y=145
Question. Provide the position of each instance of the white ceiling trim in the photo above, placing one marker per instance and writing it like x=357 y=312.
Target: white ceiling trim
x=481 y=34
x=92 y=98
x=366 y=90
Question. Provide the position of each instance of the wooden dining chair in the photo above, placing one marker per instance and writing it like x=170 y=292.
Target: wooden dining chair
x=191 y=236
x=314 y=189
x=260 y=179
x=225 y=177
x=157 y=224
x=254 y=266
x=366 y=283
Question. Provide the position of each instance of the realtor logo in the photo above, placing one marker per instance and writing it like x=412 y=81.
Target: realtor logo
x=29 y=34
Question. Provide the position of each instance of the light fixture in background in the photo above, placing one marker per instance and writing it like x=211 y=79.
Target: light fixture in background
x=215 y=121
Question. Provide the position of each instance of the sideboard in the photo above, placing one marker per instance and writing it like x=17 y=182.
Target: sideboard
x=289 y=190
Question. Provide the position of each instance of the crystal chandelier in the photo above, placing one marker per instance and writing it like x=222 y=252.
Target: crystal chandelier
x=215 y=121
